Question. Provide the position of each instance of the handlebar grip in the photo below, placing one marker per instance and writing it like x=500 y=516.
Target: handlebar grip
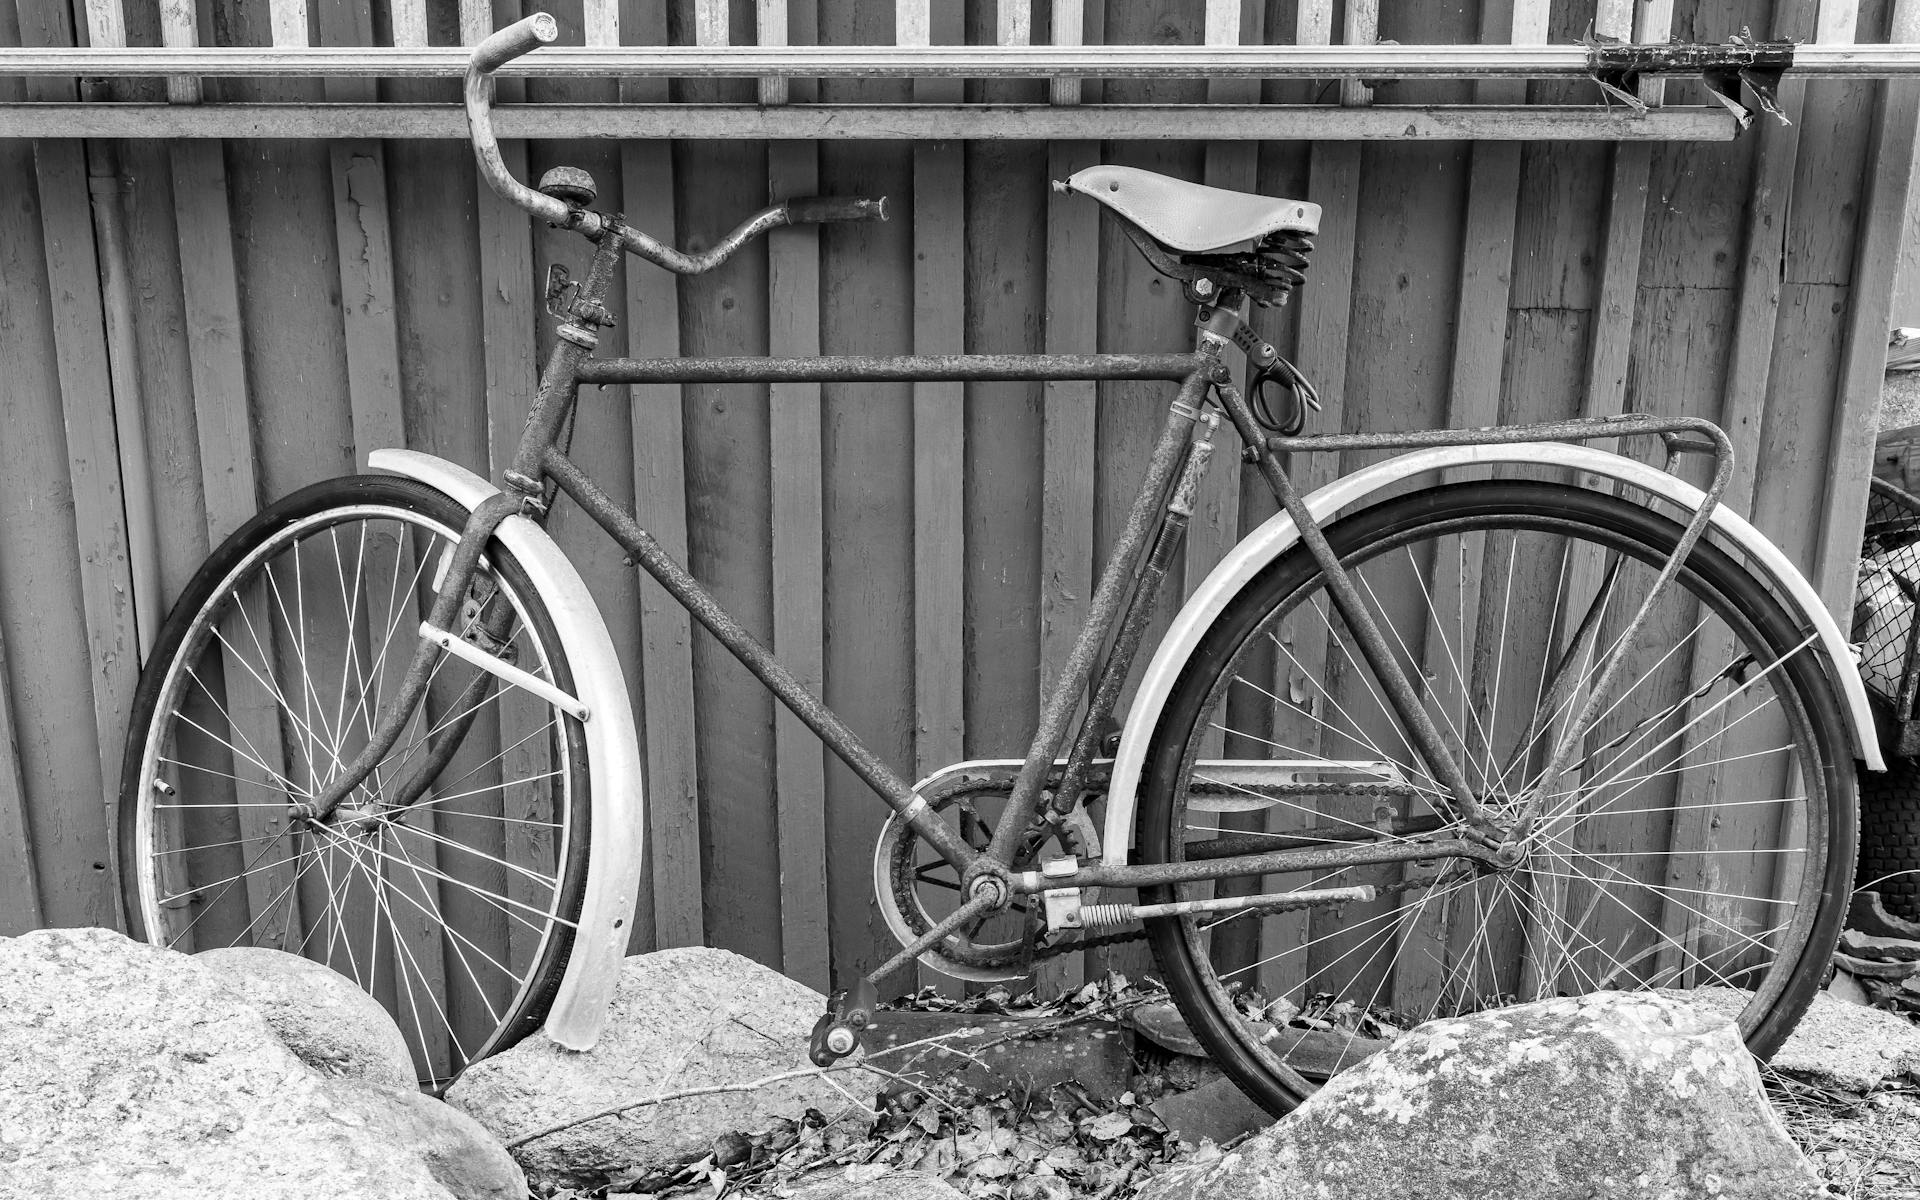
x=504 y=45
x=814 y=210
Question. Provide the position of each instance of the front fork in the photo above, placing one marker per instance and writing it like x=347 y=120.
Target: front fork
x=479 y=636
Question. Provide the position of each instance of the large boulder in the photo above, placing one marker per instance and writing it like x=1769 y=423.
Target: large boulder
x=322 y=1016
x=680 y=1019
x=135 y=1071
x=1605 y=1097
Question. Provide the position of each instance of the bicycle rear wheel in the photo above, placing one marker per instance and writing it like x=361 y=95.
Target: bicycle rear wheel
x=456 y=912
x=1702 y=838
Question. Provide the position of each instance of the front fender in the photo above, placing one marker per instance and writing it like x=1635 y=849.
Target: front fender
x=617 y=812
x=1278 y=535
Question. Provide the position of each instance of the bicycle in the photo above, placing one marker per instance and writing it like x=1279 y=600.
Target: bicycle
x=385 y=726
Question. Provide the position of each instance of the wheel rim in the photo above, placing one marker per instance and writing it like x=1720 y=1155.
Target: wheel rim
x=449 y=912
x=1647 y=871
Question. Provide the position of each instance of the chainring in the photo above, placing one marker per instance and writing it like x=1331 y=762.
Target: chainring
x=904 y=879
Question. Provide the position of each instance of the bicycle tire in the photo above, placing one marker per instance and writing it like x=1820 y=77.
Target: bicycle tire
x=1260 y=1042
x=265 y=678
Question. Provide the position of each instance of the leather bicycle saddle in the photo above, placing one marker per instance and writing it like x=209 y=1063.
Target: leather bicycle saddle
x=1191 y=217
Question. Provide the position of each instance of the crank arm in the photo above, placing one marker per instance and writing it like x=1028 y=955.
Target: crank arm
x=837 y=1033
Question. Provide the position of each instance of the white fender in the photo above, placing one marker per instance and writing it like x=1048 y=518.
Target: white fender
x=1278 y=535
x=617 y=816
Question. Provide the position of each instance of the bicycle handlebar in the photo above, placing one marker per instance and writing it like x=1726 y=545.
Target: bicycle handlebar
x=500 y=48
x=505 y=45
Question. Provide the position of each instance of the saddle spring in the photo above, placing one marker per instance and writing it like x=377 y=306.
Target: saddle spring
x=1275 y=266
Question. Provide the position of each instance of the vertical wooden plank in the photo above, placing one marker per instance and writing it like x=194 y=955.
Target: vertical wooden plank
x=93 y=458
x=50 y=788
x=771 y=25
x=106 y=28
x=731 y=519
x=364 y=239
x=1864 y=359
x=510 y=301
x=710 y=23
x=288 y=21
x=223 y=416
x=19 y=882
x=1626 y=222
x=1479 y=353
x=106 y=24
x=1231 y=165
x=408 y=19
x=1069 y=25
x=799 y=617
x=939 y=422
x=660 y=496
x=1013 y=23
x=1325 y=311
x=939 y=438
x=1069 y=428
x=179 y=29
x=1755 y=343
x=1359 y=24
x=1215 y=526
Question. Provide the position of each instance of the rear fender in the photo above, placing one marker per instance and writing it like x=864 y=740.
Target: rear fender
x=1278 y=535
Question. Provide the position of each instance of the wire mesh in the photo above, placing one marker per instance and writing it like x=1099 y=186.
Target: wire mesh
x=1885 y=595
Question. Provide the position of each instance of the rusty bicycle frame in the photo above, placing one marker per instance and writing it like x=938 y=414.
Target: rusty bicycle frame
x=1120 y=609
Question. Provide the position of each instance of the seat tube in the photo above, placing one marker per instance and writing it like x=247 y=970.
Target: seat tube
x=1168 y=456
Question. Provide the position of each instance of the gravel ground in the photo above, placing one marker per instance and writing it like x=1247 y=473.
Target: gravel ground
x=1865 y=1147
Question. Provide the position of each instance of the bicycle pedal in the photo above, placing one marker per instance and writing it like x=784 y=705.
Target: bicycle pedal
x=837 y=1033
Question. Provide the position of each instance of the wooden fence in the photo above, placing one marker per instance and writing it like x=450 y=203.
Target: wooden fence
x=923 y=553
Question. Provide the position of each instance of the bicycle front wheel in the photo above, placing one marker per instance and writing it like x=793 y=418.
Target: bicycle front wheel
x=456 y=911
x=1702 y=836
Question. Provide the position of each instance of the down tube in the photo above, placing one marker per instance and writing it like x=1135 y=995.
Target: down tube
x=684 y=588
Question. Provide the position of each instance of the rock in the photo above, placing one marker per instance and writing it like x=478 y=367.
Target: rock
x=321 y=1015
x=997 y=1054
x=1160 y=1022
x=679 y=1019
x=135 y=1071
x=894 y=1185
x=463 y=1156
x=1216 y=1111
x=1838 y=1044
x=1613 y=1096
x=1867 y=914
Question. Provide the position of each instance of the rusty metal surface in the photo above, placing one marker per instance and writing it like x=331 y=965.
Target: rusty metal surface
x=924 y=368
x=1379 y=61
x=740 y=642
